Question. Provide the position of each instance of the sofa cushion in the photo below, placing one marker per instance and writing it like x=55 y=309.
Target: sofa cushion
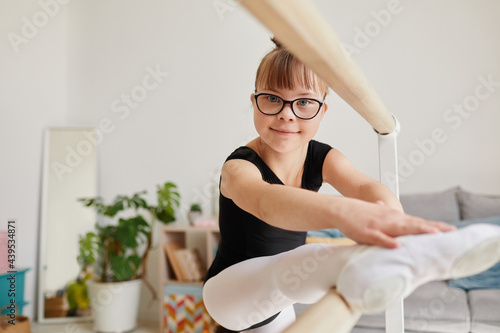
x=326 y=233
x=357 y=329
x=441 y=206
x=489 y=279
x=474 y=206
x=433 y=307
x=368 y=330
x=485 y=312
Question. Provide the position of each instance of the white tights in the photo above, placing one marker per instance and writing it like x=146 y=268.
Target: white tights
x=368 y=277
x=254 y=290
x=279 y=324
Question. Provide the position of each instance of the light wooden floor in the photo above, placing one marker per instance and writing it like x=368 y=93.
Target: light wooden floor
x=85 y=328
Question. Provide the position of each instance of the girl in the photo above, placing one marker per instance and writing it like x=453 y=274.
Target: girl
x=269 y=200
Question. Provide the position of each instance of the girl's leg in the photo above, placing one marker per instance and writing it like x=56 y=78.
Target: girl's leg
x=253 y=290
x=368 y=277
x=279 y=324
x=375 y=277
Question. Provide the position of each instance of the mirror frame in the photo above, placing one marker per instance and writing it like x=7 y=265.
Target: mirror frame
x=43 y=223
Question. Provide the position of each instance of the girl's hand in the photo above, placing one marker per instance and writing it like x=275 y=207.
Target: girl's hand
x=378 y=224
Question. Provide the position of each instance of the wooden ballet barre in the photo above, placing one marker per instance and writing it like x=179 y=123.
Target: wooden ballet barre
x=331 y=314
x=301 y=29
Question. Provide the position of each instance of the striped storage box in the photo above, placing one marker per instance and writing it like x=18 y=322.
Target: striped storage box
x=184 y=311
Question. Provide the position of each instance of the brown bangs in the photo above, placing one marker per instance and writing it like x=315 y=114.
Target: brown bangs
x=279 y=69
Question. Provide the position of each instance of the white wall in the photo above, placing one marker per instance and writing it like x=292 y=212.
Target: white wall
x=428 y=57
x=422 y=60
x=32 y=95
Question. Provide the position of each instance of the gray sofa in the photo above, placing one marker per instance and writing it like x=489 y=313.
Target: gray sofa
x=437 y=307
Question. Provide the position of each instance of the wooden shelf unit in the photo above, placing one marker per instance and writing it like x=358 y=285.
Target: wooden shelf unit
x=205 y=239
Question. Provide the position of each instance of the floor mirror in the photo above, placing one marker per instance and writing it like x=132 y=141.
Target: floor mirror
x=69 y=172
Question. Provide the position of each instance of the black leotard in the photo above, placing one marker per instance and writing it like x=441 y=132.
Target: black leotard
x=244 y=236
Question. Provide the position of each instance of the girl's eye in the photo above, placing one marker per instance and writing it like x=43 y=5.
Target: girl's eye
x=273 y=99
x=303 y=102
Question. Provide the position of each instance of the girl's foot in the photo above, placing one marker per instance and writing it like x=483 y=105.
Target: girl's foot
x=374 y=277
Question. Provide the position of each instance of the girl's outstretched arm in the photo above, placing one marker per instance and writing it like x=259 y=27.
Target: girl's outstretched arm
x=303 y=210
x=350 y=182
x=381 y=223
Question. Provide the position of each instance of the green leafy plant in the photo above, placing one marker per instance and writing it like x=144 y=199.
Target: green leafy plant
x=119 y=252
x=195 y=207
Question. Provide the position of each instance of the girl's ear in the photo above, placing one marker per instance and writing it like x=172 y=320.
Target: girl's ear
x=322 y=112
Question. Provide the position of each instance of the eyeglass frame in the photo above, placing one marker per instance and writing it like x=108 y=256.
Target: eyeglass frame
x=285 y=102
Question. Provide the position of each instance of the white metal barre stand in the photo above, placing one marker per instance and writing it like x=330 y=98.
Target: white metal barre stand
x=388 y=168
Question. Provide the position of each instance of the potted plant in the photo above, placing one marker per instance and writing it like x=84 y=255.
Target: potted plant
x=195 y=212
x=115 y=254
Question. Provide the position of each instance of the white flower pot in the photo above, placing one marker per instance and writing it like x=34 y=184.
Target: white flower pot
x=115 y=305
x=193 y=216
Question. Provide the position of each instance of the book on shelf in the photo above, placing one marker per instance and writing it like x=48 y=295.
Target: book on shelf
x=186 y=263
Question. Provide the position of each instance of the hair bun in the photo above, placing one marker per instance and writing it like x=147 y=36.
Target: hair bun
x=276 y=42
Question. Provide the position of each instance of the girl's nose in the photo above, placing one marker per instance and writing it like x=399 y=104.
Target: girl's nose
x=287 y=113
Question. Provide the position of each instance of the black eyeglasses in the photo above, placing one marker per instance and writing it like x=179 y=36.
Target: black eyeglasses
x=303 y=108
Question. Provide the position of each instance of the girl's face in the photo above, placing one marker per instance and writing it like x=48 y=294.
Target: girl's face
x=285 y=132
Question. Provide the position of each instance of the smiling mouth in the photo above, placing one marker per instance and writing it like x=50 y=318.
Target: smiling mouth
x=284 y=131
